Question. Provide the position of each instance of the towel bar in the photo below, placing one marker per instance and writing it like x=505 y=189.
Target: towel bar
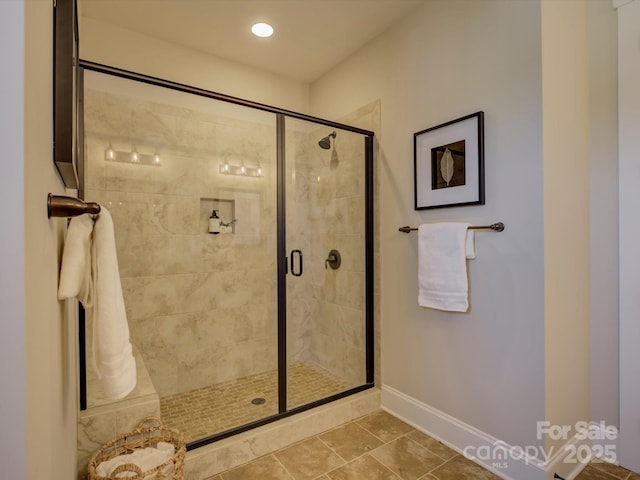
x=496 y=227
x=61 y=206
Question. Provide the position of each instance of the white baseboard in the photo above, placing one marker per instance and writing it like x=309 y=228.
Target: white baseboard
x=571 y=458
x=509 y=462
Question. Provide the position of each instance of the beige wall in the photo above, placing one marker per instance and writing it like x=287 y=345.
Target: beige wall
x=444 y=360
x=50 y=327
x=104 y=43
x=41 y=444
x=12 y=286
x=449 y=59
x=565 y=101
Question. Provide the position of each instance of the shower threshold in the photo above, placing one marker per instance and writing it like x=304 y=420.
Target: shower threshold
x=220 y=407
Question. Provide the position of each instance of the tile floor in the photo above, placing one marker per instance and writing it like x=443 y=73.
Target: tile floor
x=379 y=447
x=606 y=471
x=216 y=408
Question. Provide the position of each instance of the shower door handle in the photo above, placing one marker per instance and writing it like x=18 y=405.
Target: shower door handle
x=297 y=273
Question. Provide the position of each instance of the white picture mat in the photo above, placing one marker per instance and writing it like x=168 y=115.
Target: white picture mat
x=466 y=130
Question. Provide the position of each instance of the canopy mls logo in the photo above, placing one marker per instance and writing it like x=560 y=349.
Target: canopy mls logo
x=500 y=453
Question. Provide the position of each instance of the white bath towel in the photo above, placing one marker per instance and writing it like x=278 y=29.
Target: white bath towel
x=442 y=277
x=111 y=346
x=112 y=353
x=145 y=459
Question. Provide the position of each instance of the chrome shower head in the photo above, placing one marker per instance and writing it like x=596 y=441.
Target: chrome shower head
x=326 y=141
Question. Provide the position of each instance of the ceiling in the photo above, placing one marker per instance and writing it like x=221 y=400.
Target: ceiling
x=311 y=36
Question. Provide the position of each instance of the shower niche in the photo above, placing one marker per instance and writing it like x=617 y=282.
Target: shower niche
x=229 y=336
x=225 y=210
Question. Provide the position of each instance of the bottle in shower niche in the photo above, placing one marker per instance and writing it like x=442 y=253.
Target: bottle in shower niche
x=214 y=222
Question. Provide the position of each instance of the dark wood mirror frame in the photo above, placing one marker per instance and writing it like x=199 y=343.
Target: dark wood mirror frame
x=65 y=76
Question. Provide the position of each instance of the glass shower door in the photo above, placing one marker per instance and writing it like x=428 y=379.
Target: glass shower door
x=325 y=238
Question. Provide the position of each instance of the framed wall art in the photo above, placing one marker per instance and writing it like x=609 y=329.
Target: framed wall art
x=65 y=91
x=449 y=164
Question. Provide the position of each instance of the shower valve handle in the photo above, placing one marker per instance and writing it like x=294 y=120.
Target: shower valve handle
x=333 y=260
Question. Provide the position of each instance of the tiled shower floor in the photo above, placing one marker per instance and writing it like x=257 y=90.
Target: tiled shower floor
x=219 y=407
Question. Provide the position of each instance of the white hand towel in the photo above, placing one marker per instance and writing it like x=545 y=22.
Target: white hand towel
x=442 y=277
x=112 y=350
x=75 y=273
x=470 y=248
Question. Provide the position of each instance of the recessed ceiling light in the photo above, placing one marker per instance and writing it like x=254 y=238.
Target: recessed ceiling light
x=262 y=30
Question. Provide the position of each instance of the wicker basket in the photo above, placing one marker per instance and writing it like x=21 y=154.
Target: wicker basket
x=149 y=432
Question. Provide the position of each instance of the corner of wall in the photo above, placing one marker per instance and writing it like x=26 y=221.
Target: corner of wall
x=565 y=103
x=49 y=327
x=604 y=225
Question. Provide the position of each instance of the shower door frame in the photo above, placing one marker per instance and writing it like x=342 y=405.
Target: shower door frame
x=281 y=116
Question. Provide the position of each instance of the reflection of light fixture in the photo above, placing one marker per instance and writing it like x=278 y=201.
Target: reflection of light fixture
x=111 y=155
x=242 y=170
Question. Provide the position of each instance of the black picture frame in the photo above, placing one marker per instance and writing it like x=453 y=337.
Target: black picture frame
x=65 y=81
x=448 y=164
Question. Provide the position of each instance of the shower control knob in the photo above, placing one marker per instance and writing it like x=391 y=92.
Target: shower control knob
x=333 y=260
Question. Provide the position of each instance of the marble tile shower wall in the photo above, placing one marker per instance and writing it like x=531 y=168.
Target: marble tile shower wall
x=202 y=308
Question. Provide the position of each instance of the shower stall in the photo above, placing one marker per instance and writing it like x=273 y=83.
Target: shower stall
x=244 y=237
